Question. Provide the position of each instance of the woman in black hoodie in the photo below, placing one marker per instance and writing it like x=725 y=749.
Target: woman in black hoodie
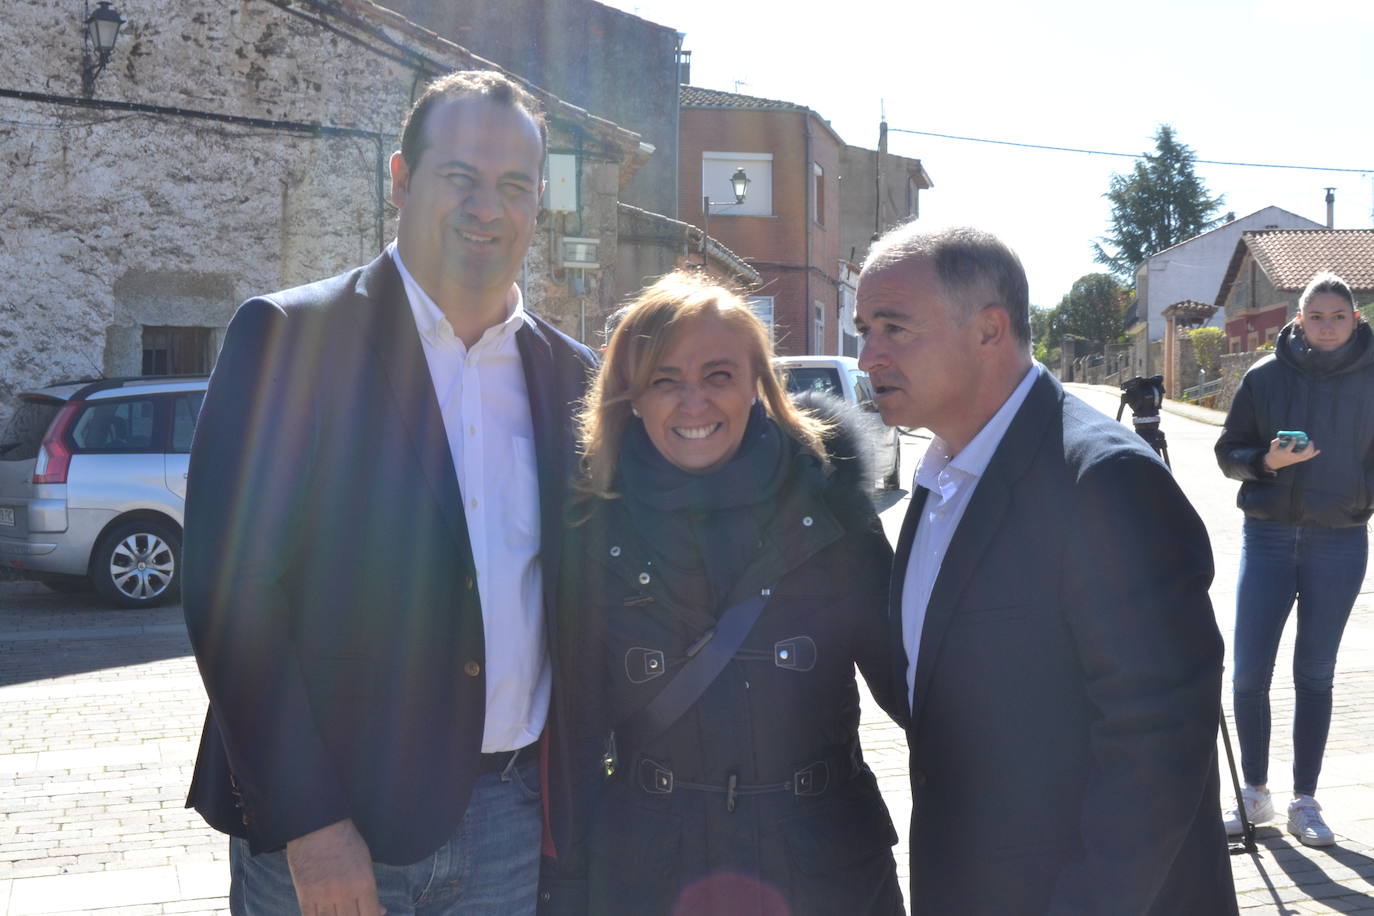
x=1306 y=507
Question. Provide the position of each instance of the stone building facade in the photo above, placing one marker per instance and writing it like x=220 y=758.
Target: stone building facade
x=552 y=43
x=231 y=148
x=1269 y=270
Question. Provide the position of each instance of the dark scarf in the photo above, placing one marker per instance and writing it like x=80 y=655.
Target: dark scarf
x=1312 y=361
x=702 y=530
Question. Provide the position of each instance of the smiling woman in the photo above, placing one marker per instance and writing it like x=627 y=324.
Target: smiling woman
x=697 y=404
x=690 y=360
x=725 y=573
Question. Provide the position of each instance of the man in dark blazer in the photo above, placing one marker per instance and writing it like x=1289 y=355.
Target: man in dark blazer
x=1051 y=621
x=372 y=531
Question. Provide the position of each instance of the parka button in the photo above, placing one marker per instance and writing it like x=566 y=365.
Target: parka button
x=808 y=521
x=644 y=578
x=615 y=552
x=472 y=669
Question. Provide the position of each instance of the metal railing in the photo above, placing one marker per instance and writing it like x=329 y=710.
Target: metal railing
x=1207 y=389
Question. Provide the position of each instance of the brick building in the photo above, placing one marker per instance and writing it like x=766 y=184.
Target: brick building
x=788 y=227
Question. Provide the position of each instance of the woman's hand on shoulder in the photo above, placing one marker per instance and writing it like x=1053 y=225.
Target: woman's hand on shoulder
x=1281 y=454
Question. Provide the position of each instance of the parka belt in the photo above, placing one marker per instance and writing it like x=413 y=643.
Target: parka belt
x=814 y=779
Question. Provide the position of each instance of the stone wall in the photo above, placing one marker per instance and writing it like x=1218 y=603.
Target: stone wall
x=1233 y=369
x=633 y=81
x=116 y=219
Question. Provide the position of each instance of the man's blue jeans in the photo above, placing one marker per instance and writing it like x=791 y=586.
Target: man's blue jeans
x=489 y=867
x=1323 y=568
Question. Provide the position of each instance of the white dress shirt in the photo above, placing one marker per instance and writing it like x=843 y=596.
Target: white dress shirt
x=486 y=409
x=951 y=483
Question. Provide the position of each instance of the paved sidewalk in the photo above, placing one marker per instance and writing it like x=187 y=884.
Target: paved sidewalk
x=100 y=711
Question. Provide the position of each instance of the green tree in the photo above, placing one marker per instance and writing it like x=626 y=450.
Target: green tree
x=1160 y=203
x=1045 y=333
x=1092 y=309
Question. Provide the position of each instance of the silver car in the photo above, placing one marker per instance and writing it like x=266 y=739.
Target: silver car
x=92 y=485
x=841 y=377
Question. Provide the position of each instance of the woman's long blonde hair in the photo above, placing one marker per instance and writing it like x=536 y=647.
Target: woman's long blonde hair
x=647 y=328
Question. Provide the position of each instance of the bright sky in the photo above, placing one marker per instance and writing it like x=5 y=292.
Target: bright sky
x=1273 y=81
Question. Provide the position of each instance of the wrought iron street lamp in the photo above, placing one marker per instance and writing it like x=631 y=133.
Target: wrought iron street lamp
x=102 y=29
x=739 y=184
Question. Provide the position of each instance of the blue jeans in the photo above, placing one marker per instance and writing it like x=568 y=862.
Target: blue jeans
x=489 y=867
x=1323 y=568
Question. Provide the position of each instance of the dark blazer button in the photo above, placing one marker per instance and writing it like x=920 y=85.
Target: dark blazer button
x=918 y=778
x=545 y=896
x=472 y=669
x=469 y=583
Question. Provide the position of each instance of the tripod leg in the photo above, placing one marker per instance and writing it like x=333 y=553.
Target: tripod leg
x=1248 y=828
x=1164 y=453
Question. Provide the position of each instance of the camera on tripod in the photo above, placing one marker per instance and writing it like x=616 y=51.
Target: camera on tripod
x=1143 y=395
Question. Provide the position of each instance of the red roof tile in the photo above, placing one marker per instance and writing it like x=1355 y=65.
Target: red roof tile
x=697 y=97
x=1290 y=257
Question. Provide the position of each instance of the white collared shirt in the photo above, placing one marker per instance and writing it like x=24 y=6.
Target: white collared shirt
x=951 y=483
x=486 y=409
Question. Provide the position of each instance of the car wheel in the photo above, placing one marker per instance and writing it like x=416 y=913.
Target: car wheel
x=66 y=585
x=136 y=564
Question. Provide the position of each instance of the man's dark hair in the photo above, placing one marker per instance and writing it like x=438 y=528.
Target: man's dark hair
x=975 y=268
x=463 y=84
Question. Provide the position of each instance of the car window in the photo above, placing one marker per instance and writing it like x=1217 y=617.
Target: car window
x=185 y=409
x=814 y=378
x=863 y=388
x=24 y=433
x=124 y=425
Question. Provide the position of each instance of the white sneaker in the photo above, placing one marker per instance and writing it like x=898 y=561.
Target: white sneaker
x=1305 y=822
x=1259 y=808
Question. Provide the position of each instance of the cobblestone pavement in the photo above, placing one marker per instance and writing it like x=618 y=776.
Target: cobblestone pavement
x=100 y=711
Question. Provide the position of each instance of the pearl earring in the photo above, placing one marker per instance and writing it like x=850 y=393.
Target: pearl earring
x=634 y=410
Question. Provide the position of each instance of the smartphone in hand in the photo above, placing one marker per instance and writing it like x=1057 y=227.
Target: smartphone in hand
x=1294 y=438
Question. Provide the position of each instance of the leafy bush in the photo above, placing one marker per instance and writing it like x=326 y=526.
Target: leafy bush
x=1207 y=346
